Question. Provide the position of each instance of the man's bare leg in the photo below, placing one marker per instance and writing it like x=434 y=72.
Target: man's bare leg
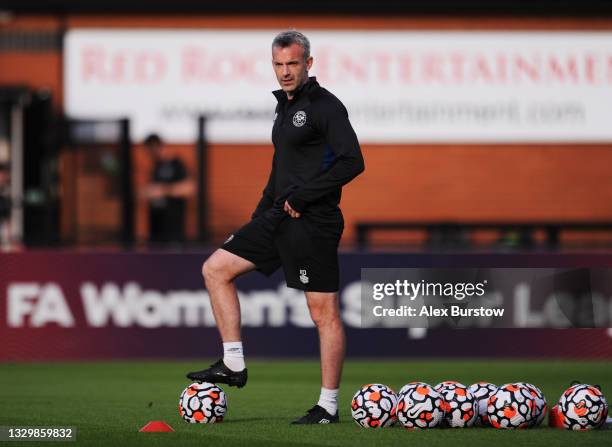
x=219 y=272
x=325 y=312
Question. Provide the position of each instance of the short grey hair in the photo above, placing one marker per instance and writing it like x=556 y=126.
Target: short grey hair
x=289 y=37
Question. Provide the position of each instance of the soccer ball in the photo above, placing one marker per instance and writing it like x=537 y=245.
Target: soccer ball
x=374 y=406
x=539 y=411
x=202 y=403
x=583 y=407
x=511 y=406
x=481 y=392
x=460 y=407
x=419 y=406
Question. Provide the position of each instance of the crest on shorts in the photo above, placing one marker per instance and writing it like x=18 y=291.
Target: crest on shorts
x=229 y=239
x=299 y=119
x=303 y=276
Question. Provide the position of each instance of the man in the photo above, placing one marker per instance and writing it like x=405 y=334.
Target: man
x=297 y=223
x=167 y=194
x=5 y=205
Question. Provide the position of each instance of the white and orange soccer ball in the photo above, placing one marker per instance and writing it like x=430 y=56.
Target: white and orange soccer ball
x=202 y=403
x=540 y=408
x=374 y=406
x=481 y=392
x=460 y=407
x=511 y=406
x=419 y=406
x=582 y=407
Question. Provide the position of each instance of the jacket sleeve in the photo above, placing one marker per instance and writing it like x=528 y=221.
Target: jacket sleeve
x=341 y=138
x=267 y=198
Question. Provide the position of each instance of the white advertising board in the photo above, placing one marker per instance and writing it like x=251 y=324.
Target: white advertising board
x=399 y=87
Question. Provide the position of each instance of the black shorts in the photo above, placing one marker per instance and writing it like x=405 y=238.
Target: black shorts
x=307 y=251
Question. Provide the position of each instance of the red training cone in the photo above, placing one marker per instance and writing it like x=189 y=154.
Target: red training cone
x=156 y=426
x=555 y=420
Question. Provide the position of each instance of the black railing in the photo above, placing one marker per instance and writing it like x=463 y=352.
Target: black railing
x=445 y=233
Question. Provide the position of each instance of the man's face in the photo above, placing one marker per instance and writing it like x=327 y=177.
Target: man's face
x=5 y=176
x=290 y=67
x=159 y=151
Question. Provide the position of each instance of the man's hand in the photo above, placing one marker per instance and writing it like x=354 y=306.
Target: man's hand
x=154 y=191
x=291 y=211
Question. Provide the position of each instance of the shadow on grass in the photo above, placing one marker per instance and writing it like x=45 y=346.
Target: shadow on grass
x=283 y=421
x=234 y=420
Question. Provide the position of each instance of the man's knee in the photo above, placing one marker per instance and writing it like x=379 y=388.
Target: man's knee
x=323 y=321
x=215 y=270
x=223 y=266
x=325 y=314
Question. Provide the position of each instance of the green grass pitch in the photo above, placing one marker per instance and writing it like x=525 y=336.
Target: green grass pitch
x=109 y=401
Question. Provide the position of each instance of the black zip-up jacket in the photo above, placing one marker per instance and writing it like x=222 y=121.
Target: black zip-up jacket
x=316 y=152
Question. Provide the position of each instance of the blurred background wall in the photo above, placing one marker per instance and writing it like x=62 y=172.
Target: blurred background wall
x=422 y=182
x=94 y=300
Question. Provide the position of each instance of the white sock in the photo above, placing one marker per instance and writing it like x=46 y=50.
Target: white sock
x=329 y=400
x=233 y=356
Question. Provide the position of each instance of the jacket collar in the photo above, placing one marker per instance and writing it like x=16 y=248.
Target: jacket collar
x=305 y=90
